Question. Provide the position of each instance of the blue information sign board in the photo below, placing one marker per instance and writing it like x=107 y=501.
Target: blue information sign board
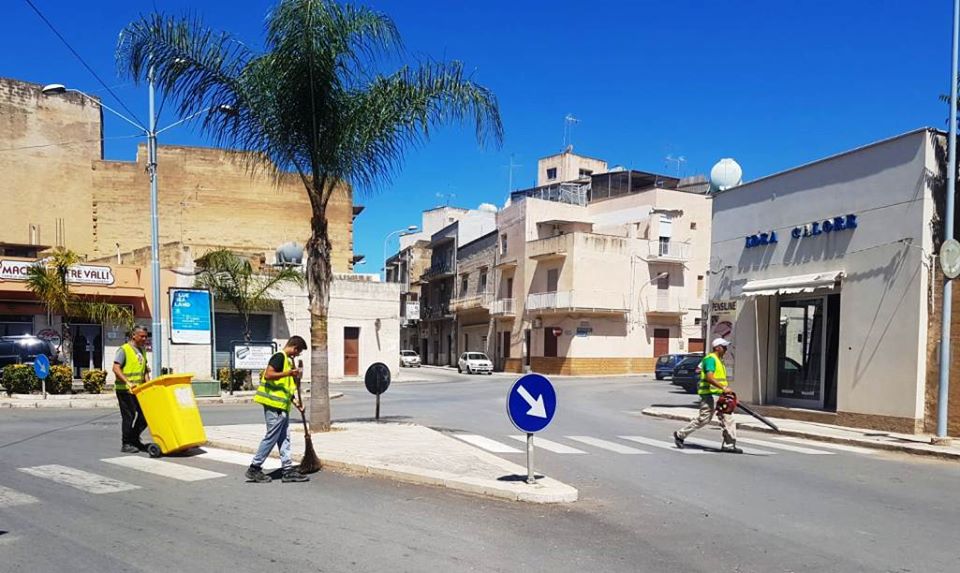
x=531 y=403
x=190 y=316
x=41 y=365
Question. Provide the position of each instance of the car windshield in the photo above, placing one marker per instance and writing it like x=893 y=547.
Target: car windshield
x=690 y=361
x=476 y=356
x=408 y=353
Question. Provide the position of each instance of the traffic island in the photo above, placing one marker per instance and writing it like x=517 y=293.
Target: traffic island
x=408 y=453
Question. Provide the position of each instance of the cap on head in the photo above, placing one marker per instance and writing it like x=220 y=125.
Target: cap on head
x=720 y=342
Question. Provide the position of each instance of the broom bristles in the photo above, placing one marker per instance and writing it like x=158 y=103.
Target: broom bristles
x=310 y=462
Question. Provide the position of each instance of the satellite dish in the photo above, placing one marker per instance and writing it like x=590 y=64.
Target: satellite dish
x=950 y=258
x=725 y=174
x=289 y=254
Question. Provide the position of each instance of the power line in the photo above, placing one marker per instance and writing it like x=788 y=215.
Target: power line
x=71 y=142
x=82 y=61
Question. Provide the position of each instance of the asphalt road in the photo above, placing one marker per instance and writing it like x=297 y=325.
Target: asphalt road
x=777 y=510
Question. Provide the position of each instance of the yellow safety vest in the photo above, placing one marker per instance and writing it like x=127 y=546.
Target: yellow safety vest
x=719 y=376
x=134 y=367
x=277 y=393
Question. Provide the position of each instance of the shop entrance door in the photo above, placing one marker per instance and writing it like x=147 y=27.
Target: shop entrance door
x=351 y=351
x=801 y=352
x=87 y=348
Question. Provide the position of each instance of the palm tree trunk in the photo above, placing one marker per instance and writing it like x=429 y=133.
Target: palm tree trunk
x=319 y=275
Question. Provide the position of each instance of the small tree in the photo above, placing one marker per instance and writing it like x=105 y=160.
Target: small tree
x=232 y=279
x=49 y=281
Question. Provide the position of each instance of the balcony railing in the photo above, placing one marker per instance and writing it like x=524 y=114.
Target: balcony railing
x=669 y=252
x=671 y=305
x=583 y=300
x=435 y=311
x=503 y=307
x=550 y=247
x=571 y=244
x=439 y=270
x=481 y=300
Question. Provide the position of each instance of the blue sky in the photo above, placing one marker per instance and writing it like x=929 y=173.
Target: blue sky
x=773 y=84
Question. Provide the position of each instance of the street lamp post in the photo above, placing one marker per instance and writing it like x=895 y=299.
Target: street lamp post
x=151 y=133
x=401 y=232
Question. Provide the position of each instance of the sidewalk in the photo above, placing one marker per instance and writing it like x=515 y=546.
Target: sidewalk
x=918 y=444
x=109 y=400
x=408 y=453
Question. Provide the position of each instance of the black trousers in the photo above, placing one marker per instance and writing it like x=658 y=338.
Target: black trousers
x=132 y=421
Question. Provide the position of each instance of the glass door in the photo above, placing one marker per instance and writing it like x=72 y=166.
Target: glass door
x=800 y=352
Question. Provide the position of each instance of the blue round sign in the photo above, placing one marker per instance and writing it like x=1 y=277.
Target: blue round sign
x=531 y=403
x=41 y=365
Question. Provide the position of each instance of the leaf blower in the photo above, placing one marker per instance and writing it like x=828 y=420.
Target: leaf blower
x=728 y=403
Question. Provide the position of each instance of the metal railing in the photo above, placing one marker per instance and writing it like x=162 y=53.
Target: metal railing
x=573 y=299
x=481 y=300
x=503 y=307
x=671 y=251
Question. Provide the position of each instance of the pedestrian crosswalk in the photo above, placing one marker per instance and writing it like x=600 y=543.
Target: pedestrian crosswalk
x=639 y=445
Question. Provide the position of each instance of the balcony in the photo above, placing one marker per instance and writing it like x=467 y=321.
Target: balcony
x=506 y=261
x=503 y=307
x=549 y=248
x=474 y=302
x=440 y=270
x=666 y=306
x=578 y=243
x=585 y=301
x=671 y=252
x=436 y=311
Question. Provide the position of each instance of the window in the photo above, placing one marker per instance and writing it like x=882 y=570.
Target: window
x=464 y=282
x=697 y=321
x=700 y=286
x=586 y=172
x=552 y=173
x=509 y=288
x=693 y=225
x=663 y=281
x=664 y=246
x=482 y=288
x=503 y=244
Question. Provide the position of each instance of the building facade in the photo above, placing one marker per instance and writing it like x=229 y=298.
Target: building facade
x=825 y=278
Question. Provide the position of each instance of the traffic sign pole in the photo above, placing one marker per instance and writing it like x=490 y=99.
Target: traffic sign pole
x=377 y=415
x=531 y=479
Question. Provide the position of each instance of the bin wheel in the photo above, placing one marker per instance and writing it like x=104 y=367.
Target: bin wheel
x=154 y=450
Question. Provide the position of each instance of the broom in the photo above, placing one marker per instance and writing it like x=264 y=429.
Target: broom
x=310 y=462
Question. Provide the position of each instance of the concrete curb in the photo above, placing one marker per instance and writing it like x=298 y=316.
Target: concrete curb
x=86 y=402
x=917 y=449
x=547 y=490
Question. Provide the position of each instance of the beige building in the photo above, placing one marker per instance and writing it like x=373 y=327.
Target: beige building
x=567 y=166
x=600 y=277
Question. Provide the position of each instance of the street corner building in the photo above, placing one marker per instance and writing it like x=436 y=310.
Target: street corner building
x=825 y=278
x=59 y=191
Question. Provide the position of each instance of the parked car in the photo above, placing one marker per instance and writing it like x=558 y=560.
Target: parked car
x=409 y=359
x=474 y=363
x=667 y=362
x=687 y=373
x=24 y=349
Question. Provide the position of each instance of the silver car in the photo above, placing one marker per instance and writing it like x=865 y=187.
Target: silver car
x=474 y=363
x=409 y=359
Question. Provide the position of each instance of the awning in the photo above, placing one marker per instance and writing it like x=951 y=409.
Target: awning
x=792 y=285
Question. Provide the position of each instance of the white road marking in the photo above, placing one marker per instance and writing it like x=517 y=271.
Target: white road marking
x=546 y=444
x=163 y=468
x=486 y=444
x=716 y=448
x=79 y=479
x=235 y=458
x=605 y=445
x=10 y=498
x=830 y=445
x=787 y=447
x=663 y=445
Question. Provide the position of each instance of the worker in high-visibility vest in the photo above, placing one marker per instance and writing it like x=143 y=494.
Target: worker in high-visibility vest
x=130 y=368
x=713 y=383
x=277 y=391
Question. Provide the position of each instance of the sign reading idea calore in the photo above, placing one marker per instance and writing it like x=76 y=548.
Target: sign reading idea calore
x=531 y=403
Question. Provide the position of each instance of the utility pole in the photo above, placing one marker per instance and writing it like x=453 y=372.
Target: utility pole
x=157 y=326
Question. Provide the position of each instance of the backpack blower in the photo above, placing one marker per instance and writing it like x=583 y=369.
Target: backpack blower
x=728 y=403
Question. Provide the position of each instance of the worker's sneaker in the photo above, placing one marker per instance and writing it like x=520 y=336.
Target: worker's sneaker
x=256 y=475
x=678 y=440
x=129 y=449
x=293 y=475
x=730 y=449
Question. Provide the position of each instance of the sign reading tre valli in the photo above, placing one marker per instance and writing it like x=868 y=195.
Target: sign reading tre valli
x=834 y=225
x=77 y=274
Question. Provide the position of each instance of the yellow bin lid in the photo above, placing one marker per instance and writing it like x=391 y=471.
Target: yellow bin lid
x=165 y=380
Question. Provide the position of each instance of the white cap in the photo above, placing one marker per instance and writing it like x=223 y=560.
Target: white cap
x=720 y=342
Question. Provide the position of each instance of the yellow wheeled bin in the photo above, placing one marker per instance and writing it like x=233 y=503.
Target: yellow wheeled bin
x=170 y=409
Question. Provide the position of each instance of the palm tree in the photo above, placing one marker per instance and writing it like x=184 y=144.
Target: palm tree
x=232 y=279
x=49 y=282
x=312 y=103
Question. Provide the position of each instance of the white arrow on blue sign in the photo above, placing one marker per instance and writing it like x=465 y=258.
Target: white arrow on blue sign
x=531 y=403
x=41 y=365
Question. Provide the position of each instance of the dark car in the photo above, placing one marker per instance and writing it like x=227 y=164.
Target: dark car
x=24 y=350
x=687 y=373
x=666 y=364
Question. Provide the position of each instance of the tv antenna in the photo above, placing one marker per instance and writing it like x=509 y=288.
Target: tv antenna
x=679 y=160
x=510 y=169
x=445 y=198
x=568 y=122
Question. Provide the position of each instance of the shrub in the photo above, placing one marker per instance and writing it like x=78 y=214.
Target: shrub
x=60 y=380
x=94 y=381
x=20 y=379
x=239 y=378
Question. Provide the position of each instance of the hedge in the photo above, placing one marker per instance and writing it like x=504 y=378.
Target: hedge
x=60 y=380
x=20 y=379
x=94 y=381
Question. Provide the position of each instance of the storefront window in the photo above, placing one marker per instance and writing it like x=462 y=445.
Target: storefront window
x=800 y=372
